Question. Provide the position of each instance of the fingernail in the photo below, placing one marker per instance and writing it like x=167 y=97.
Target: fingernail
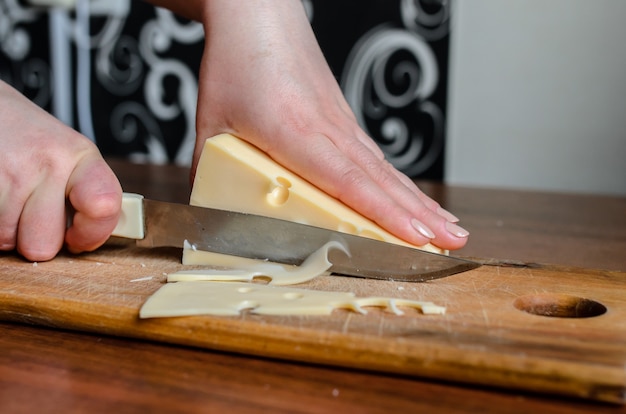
x=422 y=229
x=456 y=230
x=447 y=215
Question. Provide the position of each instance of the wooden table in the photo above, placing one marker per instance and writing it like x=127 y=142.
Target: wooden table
x=44 y=370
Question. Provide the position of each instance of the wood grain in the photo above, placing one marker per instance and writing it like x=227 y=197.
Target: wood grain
x=538 y=227
x=53 y=370
x=483 y=339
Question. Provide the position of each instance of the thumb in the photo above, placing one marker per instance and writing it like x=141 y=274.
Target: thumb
x=95 y=195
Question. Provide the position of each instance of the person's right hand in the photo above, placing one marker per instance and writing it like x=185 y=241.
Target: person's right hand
x=46 y=167
x=264 y=79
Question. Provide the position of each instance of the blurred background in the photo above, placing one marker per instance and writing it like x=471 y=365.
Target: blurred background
x=538 y=95
x=526 y=94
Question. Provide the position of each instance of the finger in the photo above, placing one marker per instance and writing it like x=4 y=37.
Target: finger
x=371 y=188
x=10 y=210
x=429 y=202
x=427 y=211
x=95 y=195
x=403 y=198
x=42 y=223
x=13 y=196
x=318 y=159
x=428 y=216
x=378 y=153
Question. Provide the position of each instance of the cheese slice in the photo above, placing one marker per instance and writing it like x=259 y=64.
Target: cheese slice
x=243 y=269
x=230 y=298
x=234 y=175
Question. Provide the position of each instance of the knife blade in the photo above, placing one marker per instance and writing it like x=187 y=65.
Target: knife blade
x=157 y=223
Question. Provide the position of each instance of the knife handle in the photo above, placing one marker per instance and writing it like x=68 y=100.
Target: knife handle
x=131 y=222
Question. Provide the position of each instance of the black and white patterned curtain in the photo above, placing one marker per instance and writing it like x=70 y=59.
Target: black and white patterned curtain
x=125 y=73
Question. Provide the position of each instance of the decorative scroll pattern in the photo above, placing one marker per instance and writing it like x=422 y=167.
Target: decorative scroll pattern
x=144 y=64
x=389 y=80
x=30 y=74
x=144 y=61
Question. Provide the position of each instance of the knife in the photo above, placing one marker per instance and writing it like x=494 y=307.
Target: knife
x=157 y=223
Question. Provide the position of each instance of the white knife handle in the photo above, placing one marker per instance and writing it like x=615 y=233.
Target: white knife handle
x=130 y=225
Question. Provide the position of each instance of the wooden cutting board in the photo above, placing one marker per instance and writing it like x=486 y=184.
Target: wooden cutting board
x=554 y=330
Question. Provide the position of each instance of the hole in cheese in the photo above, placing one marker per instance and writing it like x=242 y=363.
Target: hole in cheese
x=283 y=182
x=278 y=196
x=346 y=227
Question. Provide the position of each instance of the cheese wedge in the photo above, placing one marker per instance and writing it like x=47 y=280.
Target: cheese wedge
x=234 y=175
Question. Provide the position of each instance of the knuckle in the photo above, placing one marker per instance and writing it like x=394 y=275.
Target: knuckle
x=353 y=178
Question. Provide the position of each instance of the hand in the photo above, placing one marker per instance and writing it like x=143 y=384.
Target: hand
x=43 y=163
x=263 y=78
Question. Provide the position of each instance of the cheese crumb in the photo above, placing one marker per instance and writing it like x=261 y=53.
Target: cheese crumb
x=142 y=279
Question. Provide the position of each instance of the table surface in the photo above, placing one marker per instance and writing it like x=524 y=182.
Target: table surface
x=48 y=370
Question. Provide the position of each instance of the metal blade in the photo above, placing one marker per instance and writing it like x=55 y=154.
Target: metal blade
x=257 y=237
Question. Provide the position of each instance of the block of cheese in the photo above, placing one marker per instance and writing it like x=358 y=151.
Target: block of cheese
x=234 y=175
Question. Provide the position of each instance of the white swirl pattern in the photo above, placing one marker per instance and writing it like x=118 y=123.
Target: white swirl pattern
x=368 y=87
x=16 y=43
x=428 y=18
x=156 y=36
x=150 y=54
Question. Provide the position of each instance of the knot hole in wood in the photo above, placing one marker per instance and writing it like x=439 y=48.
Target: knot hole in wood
x=559 y=306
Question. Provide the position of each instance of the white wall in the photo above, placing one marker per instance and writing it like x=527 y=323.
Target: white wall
x=538 y=95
